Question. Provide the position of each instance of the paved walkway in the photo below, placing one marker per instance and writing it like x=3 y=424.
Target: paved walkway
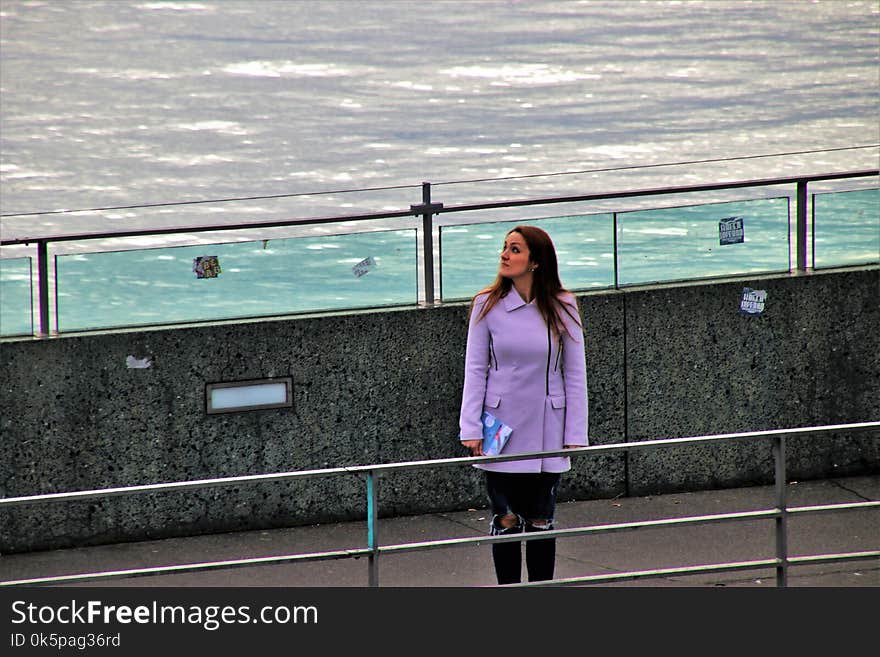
x=470 y=565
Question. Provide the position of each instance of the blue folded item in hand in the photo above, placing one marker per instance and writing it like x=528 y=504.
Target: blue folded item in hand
x=495 y=434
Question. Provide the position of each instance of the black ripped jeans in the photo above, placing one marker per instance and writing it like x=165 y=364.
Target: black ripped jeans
x=531 y=497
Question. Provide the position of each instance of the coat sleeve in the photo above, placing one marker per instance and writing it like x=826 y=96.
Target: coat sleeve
x=476 y=368
x=575 y=376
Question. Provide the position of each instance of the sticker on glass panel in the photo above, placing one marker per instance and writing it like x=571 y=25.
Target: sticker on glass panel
x=731 y=231
x=206 y=266
x=364 y=266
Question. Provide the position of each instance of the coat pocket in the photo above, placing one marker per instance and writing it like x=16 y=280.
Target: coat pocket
x=558 y=402
x=492 y=400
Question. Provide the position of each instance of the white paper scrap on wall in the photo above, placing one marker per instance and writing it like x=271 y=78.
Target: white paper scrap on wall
x=138 y=363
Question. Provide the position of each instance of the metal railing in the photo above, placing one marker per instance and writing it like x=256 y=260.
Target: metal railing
x=780 y=514
x=427 y=210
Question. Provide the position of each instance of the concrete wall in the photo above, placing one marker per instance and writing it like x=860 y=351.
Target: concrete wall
x=376 y=387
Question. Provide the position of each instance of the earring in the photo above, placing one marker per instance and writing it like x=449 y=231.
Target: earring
x=532 y=268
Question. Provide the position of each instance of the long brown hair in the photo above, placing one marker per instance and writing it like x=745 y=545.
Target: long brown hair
x=546 y=285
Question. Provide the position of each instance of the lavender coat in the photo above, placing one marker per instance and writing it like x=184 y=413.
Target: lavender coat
x=515 y=370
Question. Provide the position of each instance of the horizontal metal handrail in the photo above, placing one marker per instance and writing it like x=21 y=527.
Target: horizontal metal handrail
x=779 y=513
x=656 y=573
x=401 y=548
x=832 y=558
x=202 y=228
x=194 y=567
x=380 y=468
x=700 y=569
x=660 y=191
x=427 y=210
x=822 y=508
x=442 y=208
x=569 y=532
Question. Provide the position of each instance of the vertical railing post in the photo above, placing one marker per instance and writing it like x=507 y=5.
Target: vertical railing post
x=801 y=226
x=43 y=286
x=427 y=209
x=782 y=507
x=372 y=527
x=614 y=238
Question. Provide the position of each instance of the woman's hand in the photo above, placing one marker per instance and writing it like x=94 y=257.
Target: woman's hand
x=475 y=446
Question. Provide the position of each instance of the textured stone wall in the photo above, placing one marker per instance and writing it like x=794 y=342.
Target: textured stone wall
x=385 y=386
x=697 y=367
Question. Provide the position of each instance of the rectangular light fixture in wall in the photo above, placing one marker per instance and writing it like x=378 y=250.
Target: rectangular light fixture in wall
x=253 y=395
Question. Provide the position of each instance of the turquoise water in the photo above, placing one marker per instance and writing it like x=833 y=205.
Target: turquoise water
x=16 y=317
x=293 y=275
x=584 y=249
x=278 y=276
x=668 y=244
x=257 y=278
x=124 y=102
x=846 y=228
x=684 y=242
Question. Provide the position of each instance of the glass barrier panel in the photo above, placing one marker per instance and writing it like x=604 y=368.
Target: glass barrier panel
x=846 y=228
x=16 y=297
x=469 y=253
x=236 y=280
x=703 y=241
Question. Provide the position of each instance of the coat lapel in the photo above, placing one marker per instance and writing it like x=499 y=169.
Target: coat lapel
x=513 y=301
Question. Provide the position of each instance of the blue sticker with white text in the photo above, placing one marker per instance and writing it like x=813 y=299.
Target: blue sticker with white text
x=752 y=302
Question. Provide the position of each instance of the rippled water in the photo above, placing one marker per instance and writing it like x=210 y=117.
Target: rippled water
x=118 y=103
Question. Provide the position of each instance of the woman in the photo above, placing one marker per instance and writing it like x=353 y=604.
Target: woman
x=525 y=365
